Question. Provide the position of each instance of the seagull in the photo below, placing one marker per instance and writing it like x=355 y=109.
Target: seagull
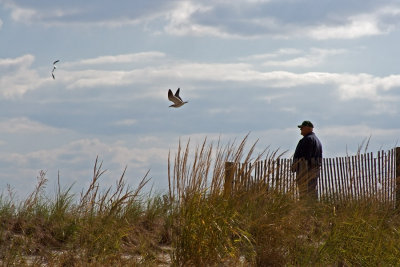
x=54 y=68
x=176 y=99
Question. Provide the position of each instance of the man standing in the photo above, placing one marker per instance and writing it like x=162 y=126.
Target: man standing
x=307 y=161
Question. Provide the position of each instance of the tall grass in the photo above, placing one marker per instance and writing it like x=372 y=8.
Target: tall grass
x=196 y=223
x=209 y=227
x=110 y=226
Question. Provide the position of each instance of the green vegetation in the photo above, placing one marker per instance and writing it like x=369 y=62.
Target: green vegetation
x=195 y=224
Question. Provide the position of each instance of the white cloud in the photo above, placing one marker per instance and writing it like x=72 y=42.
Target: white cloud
x=389 y=82
x=77 y=14
x=357 y=27
x=16 y=77
x=366 y=86
x=270 y=98
x=83 y=150
x=368 y=24
x=341 y=140
x=99 y=78
x=19 y=62
x=23 y=125
x=117 y=59
x=360 y=131
x=280 y=52
x=242 y=19
x=126 y=122
x=311 y=59
x=180 y=22
x=24 y=15
x=221 y=110
x=291 y=109
x=256 y=1
x=45 y=15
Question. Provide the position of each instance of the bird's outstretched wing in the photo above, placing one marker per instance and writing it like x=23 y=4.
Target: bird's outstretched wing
x=52 y=72
x=54 y=67
x=177 y=94
x=173 y=98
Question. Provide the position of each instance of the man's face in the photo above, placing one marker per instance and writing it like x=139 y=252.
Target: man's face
x=305 y=130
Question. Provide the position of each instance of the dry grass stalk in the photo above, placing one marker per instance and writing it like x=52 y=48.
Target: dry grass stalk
x=186 y=177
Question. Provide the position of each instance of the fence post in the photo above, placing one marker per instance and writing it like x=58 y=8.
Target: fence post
x=397 y=164
x=277 y=177
x=229 y=174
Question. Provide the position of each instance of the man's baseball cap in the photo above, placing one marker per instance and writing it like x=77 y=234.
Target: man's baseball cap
x=306 y=123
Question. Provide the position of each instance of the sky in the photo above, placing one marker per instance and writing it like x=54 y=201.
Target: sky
x=257 y=67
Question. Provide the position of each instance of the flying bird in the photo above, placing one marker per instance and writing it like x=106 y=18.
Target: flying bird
x=176 y=99
x=54 y=68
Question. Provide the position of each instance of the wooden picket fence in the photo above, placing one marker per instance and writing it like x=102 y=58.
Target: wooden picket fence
x=341 y=179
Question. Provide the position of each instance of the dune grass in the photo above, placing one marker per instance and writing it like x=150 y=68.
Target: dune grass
x=111 y=226
x=195 y=223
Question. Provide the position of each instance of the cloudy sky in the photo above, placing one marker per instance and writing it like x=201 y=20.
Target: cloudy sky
x=245 y=66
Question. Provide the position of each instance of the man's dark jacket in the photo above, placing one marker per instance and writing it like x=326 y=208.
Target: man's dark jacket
x=310 y=149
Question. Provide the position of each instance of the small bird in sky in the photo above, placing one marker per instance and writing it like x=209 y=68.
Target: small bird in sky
x=54 y=68
x=176 y=99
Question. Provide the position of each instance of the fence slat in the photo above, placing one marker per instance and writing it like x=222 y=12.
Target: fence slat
x=283 y=179
x=389 y=174
x=273 y=170
x=267 y=172
x=281 y=176
x=393 y=174
x=293 y=184
x=334 y=179
x=323 y=179
x=369 y=176
x=285 y=175
x=380 y=176
x=355 y=177
x=339 y=178
x=363 y=176
x=326 y=172
x=359 y=177
x=385 y=171
x=382 y=170
x=397 y=175
x=348 y=178
x=321 y=184
x=330 y=179
x=344 y=180
x=352 y=177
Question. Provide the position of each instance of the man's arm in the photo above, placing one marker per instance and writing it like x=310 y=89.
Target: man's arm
x=298 y=154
